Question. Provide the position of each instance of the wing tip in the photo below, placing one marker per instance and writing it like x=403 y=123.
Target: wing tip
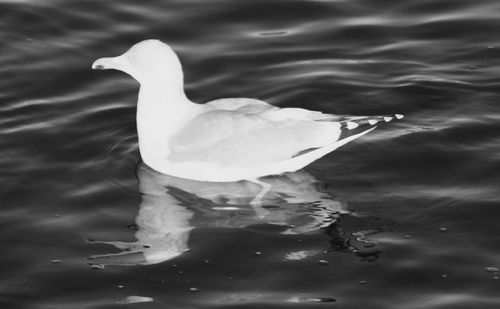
x=352 y=125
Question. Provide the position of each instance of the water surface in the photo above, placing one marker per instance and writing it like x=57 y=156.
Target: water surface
x=405 y=217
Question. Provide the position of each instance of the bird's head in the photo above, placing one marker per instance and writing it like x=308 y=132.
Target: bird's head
x=149 y=62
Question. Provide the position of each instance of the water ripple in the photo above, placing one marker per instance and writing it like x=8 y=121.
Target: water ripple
x=422 y=192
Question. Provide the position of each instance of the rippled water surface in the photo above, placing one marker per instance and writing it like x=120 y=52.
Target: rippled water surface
x=405 y=217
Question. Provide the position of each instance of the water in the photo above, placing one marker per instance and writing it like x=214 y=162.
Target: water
x=406 y=217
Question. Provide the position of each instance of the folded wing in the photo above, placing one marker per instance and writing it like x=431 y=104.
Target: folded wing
x=250 y=132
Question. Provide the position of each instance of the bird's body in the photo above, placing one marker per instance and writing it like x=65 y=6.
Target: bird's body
x=223 y=140
x=220 y=141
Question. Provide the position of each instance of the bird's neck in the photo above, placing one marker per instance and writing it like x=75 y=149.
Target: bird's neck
x=161 y=113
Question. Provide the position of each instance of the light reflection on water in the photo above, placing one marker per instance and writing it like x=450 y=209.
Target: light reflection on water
x=164 y=219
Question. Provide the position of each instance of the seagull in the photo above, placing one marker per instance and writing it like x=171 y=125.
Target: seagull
x=224 y=140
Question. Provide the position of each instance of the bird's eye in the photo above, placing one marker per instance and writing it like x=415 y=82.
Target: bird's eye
x=134 y=59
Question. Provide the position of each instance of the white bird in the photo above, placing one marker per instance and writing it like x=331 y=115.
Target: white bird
x=224 y=140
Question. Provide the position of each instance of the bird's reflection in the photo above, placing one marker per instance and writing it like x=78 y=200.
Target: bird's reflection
x=166 y=213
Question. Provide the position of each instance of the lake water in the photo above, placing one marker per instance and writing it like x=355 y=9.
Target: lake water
x=405 y=217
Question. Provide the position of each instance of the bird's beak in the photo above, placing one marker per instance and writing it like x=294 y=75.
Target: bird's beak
x=117 y=63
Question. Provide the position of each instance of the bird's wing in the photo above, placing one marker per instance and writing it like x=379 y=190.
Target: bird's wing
x=252 y=133
x=254 y=106
x=241 y=104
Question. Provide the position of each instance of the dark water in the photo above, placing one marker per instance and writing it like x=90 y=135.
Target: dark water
x=406 y=217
